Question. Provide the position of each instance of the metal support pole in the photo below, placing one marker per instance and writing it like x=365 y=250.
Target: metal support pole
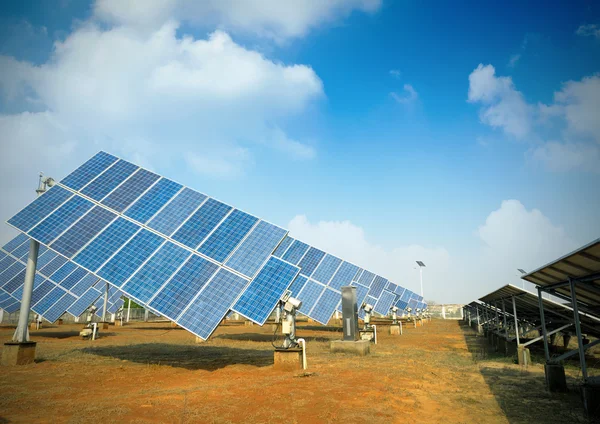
x=516 y=321
x=504 y=316
x=22 y=332
x=421 y=274
x=105 y=304
x=544 y=332
x=478 y=321
x=578 y=330
x=497 y=319
x=128 y=308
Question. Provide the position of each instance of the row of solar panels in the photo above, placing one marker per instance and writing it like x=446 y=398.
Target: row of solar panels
x=59 y=286
x=180 y=253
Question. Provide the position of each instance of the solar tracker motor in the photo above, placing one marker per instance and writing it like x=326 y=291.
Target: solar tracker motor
x=288 y=323
x=90 y=331
x=368 y=310
x=394 y=310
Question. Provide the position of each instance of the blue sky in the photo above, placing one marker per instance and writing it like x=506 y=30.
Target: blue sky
x=463 y=135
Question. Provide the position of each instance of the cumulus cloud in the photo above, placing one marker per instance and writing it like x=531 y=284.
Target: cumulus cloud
x=572 y=115
x=513 y=60
x=274 y=19
x=589 y=30
x=409 y=95
x=511 y=237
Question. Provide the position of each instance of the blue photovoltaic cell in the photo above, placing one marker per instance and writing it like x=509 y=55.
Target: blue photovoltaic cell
x=154 y=199
x=399 y=290
x=406 y=295
x=295 y=252
x=184 y=285
x=58 y=309
x=310 y=261
x=84 y=302
x=264 y=291
x=112 y=309
x=13 y=307
x=107 y=242
x=116 y=295
x=16 y=242
x=343 y=277
x=176 y=211
x=73 y=278
x=366 y=279
x=39 y=208
x=48 y=300
x=8 y=303
x=21 y=251
x=52 y=266
x=361 y=293
x=358 y=274
x=401 y=304
x=16 y=281
x=60 y=220
x=326 y=269
x=385 y=302
x=88 y=171
x=83 y=231
x=154 y=273
x=257 y=247
x=377 y=287
x=10 y=272
x=325 y=306
x=130 y=190
x=391 y=287
x=212 y=304
x=201 y=223
x=283 y=246
x=412 y=303
x=109 y=180
x=228 y=235
x=419 y=298
x=120 y=267
x=309 y=296
x=6 y=262
x=41 y=291
x=84 y=284
x=297 y=285
x=63 y=272
x=45 y=259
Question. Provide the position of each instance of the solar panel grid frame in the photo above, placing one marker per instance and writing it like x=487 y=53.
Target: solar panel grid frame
x=89 y=170
x=325 y=306
x=311 y=260
x=153 y=200
x=20 y=239
x=283 y=247
x=295 y=252
x=130 y=190
x=327 y=269
x=106 y=182
x=201 y=223
x=311 y=292
x=384 y=303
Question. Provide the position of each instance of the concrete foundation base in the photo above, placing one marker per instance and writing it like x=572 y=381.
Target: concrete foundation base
x=359 y=347
x=18 y=353
x=523 y=356
x=367 y=335
x=287 y=359
x=555 y=378
x=118 y=323
x=395 y=329
x=248 y=323
x=199 y=340
x=59 y=322
x=590 y=394
x=104 y=325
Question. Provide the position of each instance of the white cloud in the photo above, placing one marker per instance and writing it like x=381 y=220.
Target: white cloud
x=395 y=73
x=503 y=106
x=589 y=30
x=513 y=60
x=275 y=19
x=349 y=242
x=511 y=237
x=409 y=95
x=572 y=115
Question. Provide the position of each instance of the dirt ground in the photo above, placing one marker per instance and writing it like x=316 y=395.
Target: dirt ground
x=151 y=373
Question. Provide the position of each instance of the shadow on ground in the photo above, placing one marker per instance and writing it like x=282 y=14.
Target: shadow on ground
x=65 y=334
x=520 y=391
x=258 y=337
x=209 y=358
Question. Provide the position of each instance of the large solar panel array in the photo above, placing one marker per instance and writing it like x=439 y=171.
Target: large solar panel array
x=186 y=256
x=59 y=286
x=323 y=275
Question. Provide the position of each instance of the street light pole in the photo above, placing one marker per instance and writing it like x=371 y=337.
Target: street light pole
x=421 y=266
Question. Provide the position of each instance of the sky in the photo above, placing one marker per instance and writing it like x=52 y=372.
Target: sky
x=461 y=134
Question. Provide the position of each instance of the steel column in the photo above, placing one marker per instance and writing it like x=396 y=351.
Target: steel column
x=505 y=326
x=544 y=333
x=516 y=321
x=578 y=330
x=22 y=332
x=105 y=304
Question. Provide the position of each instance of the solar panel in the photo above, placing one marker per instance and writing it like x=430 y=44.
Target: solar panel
x=309 y=296
x=89 y=297
x=83 y=231
x=10 y=272
x=72 y=279
x=201 y=223
x=58 y=308
x=377 y=286
x=326 y=269
x=40 y=208
x=297 y=285
x=207 y=310
x=153 y=200
x=343 y=276
x=310 y=261
x=63 y=272
x=52 y=266
x=172 y=299
x=130 y=190
x=22 y=251
x=111 y=178
x=384 y=303
x=228 y=235
x=16 y=281
x=283 y=246
x=41 y=291
x=260 y=298
x=45 y=259
x=49 y=300
x=256 y=248
x=366 y=278
x=325 y=306
x=62 y=218
x=16 y=242
x=176 y=211
x=89 y=170
x=296 y=252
